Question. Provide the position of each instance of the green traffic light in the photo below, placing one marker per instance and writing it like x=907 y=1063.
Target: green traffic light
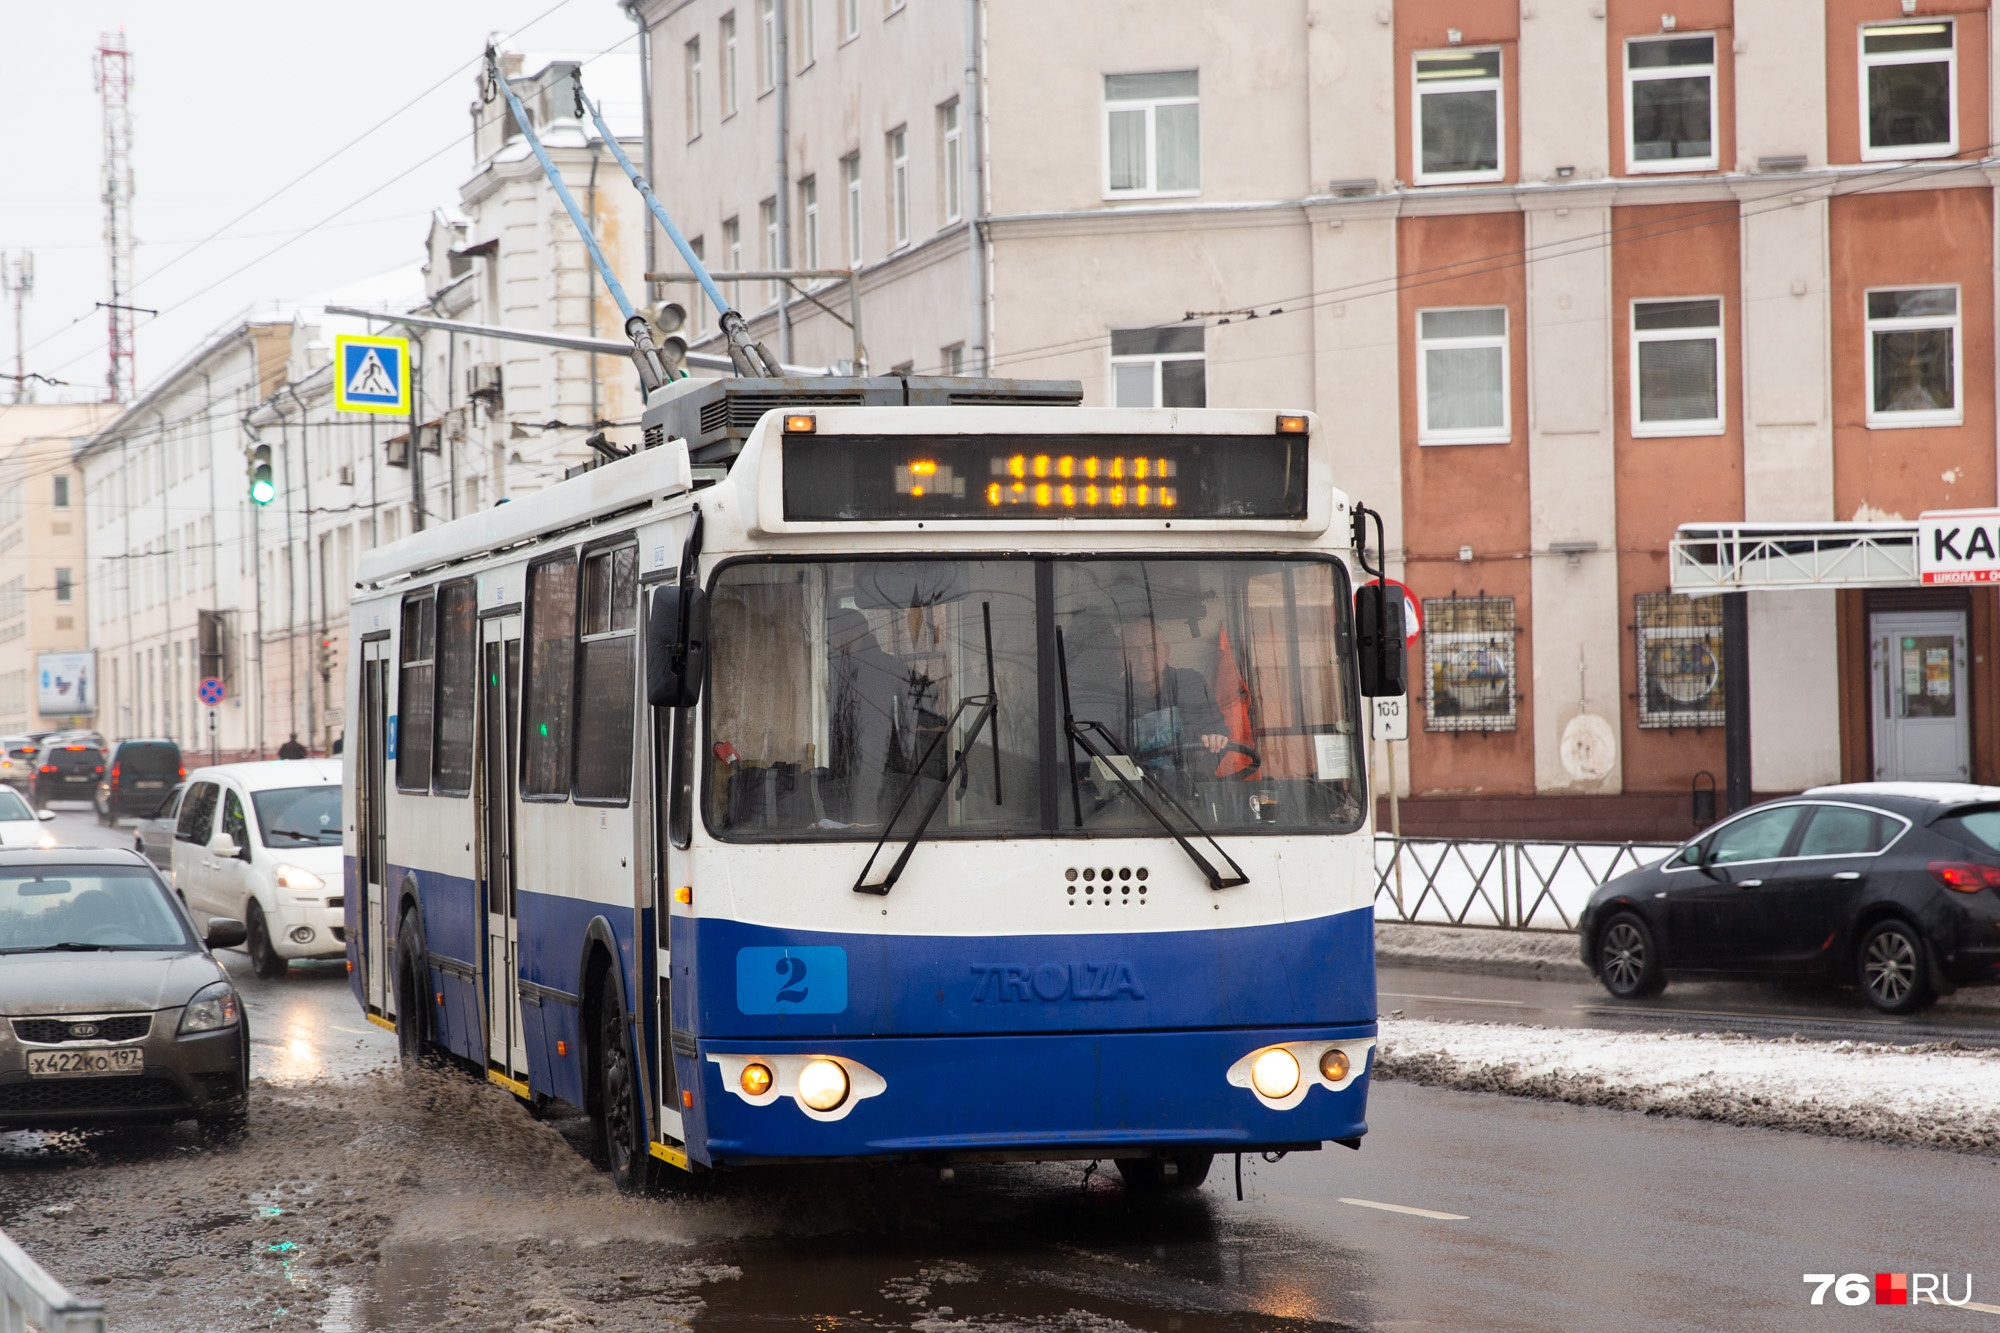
x=262 y=491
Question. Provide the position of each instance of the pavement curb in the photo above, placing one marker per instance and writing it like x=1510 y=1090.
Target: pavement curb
x=1546 y=955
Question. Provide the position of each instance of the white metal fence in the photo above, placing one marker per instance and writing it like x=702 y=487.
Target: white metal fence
x=1497 y=883
x=30 y=1298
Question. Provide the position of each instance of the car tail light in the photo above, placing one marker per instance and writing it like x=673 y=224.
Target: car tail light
x=114 y=772
x=48 y=768
x=98 y=769
x=1966 y=876
x=184 y=771
x=76 y=747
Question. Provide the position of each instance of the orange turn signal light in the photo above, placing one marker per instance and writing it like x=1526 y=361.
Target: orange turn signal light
x=1291 y=425
x=684 y=894
x=687 y=1097
x=800 y=423
x=562 y=1048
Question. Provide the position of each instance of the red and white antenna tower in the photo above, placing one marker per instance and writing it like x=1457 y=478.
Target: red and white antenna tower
x=114 y=86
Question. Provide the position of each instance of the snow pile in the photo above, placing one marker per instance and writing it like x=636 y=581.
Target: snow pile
x=1494 y=953
x=1942 y=1095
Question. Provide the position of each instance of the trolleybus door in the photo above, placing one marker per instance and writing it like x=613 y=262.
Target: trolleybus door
x=371 y=837
x=499 y=713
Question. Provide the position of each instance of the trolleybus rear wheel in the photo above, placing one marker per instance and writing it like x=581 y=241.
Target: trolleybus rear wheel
x=411 y=996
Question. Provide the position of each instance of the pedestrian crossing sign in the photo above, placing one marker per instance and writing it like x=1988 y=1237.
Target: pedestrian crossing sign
x=371 y=374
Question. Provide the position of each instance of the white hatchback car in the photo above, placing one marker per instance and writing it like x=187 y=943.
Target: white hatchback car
x=20 y=825
x=261 y=843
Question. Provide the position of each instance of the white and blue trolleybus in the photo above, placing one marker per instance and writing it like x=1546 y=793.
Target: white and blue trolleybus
x=945 y=783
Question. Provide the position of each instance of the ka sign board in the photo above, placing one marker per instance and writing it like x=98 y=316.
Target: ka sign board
x=371 y=374
x=1959 y=546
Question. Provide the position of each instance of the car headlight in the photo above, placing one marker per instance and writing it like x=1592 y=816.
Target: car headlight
x=214 y=1006
x=46 y=841
x=298 y=877
x=1275 y=1073
x=823 y=1085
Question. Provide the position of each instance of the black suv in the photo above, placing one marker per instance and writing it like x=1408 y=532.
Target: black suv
x=72 y=766
x=138 y=778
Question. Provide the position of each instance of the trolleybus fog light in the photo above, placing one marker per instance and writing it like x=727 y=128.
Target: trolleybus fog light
x=1334 y=1064
x=1275 y=1073
x=756 y=1080
x=823 y=1084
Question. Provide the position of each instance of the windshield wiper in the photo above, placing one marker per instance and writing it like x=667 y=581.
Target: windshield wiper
x=66 y=946
x=1098 y=742
x=989 y=708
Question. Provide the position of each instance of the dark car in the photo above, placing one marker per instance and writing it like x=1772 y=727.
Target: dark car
x=71 y=768
x=154 y=836
x=1894 y=887
x=114 y=1010
x=139 y=774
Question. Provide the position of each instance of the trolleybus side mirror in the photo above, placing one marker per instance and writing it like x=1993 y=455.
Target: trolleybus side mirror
x=676 y=646
x=1378 y=636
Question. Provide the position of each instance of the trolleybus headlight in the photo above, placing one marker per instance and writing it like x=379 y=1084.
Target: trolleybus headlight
x=823 y=1084
x=756 y=1080
x=1334 y=1064
x=1275 y=1073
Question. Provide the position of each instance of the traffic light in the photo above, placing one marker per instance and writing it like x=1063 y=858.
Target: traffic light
x=263 y=489
x=324 y=658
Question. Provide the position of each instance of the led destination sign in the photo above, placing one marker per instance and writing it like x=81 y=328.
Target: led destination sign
x=858 y=478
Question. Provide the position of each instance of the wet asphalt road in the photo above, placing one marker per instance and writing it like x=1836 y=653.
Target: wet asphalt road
x=1555 y=1217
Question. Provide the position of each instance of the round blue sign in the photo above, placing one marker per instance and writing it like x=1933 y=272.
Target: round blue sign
x=211 y=691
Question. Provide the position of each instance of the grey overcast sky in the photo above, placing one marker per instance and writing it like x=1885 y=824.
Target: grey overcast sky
x=230 y=100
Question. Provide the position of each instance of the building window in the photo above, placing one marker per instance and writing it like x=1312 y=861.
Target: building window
x=1677 y=367
x=951 y=159
x=850 y=19
x=807 y=35
x=1680 y=660
x=1458 y=117
x=809 y=218
x=548 y=692
x=1468 y=664
x=1913 y=357
x=1670 y=103
x=692 y=60
x=1152 y=134
x=767 y=45
x=1462 y=393
x=732 y=240
x=697 y=302
x=894 y=7
x=851 y=171
x=952 y=359
x=729 y=64
x=767 y=215
x=62 y=492
x=65 y=587
x=415 y=697
x=899 y=185
x=607 y=658
x=1164 y=367
x=1908 y=77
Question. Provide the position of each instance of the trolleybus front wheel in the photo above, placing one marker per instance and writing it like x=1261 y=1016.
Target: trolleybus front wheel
x=1149 y=1175
x=616 y=1116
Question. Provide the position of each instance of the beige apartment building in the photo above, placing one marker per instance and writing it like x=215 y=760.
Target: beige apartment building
x=42 y=584
x=1559 y=277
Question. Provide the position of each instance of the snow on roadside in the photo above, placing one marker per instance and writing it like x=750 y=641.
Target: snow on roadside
x=1940 y=1095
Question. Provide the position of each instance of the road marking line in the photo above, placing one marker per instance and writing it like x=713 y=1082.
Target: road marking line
x=1405 y=1208
x=1451 y=999
x=1983 y=1309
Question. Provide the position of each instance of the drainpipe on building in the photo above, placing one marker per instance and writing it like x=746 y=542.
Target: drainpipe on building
x=590 y=280
x=783 y=259
x=305 y=482
x=172 y=709
x=976 y=361
x=645 y=130
x=291 y=581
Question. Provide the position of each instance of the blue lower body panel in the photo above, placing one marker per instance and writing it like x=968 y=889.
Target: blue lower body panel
x=1061 y=1094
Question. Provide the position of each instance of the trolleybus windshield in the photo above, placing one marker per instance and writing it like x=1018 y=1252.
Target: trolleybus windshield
x=1223 y=679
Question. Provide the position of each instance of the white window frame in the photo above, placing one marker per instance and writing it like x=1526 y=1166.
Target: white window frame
x=1865 y=62
x=1953 y=416
x=899 y=185
x=850 y=169
x=1633 y=166
x=1150 y=106
x=1669 y=429
x=1157 y=362
x=850 y=16
x=692 y=58
x=767 y=217
x=951 y=161
x=809 y=219
x=767 y=46
x=732 y=238
x=951 y=360
x=808 y=35
x=1504 y=432
x=1497 y=85
x=727 y=83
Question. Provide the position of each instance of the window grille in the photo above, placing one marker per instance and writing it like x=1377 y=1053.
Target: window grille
x=1469 y=664
x=1680 y=660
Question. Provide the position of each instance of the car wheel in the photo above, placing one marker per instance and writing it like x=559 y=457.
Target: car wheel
x=1892 y=968
x=264 y=959
x=626 y=1153
x=1148 y=1175
x=1628 y=959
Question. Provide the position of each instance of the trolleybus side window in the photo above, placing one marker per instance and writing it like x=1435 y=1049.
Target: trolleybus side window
x=457 y=672
x=414 y=693
x=550 y=696
x=607 y=654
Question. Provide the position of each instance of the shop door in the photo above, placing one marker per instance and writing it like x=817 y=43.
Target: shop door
x=1921 y=707
x=499 y=711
